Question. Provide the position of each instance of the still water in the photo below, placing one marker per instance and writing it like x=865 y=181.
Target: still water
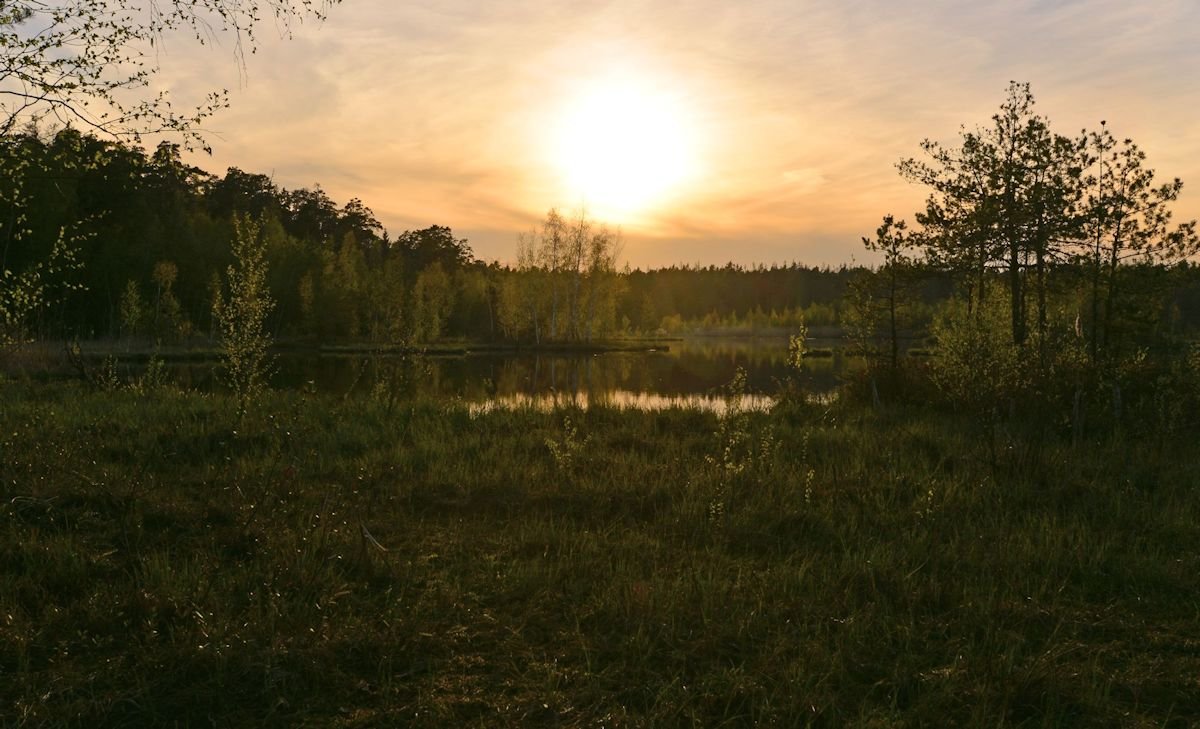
x=692 y=372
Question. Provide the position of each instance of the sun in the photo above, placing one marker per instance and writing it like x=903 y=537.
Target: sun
x=623 y=146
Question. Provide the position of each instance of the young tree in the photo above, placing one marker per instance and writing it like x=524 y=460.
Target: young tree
x=533 y=284
x=1128 y=220
x=342 y=285
x=433 y=300
x=893 y=278
x=552 y=255
x=512 y=312
x=386 y=294
x=169 y=322
x=241 y=315
x=603 y=283
x=34 y=284
x=27 y=292
x=133 y=310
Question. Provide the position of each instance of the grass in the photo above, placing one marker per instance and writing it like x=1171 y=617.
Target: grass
x=161 y=563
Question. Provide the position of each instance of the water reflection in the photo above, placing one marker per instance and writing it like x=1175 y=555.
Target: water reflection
x=694 y=371
x=619 y=400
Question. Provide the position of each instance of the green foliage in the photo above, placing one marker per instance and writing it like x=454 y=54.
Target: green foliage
x=977 y=367
x=1075 y=241
x=745 y=450
x=342 y=283
x=567 y=447
x=1128 y=225
x=567 y=285
x=88 y=62
x=882 y=299
x=241 y=315
x=860 y=313
x=387 y=303
x=435 y=244
x=24 y=293
x=141 y=210
x=432 y=302
x=1016 y=198
x=133 y=310
x=154 y=378
x=398 y=377
x=108 y=379
x=169 y=322
x=516 y=311
x=308 y=302
x=756 y=320
x=797 y=346
x=334 y=274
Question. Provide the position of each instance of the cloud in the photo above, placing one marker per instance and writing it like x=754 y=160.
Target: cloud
x=440 y=111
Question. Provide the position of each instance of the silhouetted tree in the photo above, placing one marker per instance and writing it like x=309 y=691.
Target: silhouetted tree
x=1128 y=221
x=997 y=199
x=435 y=244
x=889 y=286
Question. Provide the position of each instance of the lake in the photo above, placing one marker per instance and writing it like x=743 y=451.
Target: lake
x=691 y=371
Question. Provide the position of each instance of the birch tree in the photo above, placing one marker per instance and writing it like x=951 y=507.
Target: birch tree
x=92 y=64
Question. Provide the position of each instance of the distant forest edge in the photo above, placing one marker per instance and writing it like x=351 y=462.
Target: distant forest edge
x=156 y=237
x=133 y=244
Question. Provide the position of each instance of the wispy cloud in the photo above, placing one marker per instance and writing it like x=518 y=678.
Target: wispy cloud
x=440 y=111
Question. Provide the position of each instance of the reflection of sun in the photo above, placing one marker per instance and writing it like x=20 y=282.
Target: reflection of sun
x=622 y=146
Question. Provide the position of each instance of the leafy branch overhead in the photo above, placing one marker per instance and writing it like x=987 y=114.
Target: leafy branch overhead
x=91 y=63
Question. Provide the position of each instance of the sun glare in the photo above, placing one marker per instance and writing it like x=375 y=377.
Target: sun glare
x=622 y=147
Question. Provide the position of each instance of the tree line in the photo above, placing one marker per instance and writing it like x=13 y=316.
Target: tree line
x=1071 y=236
x=149 y=236
x=137 y=241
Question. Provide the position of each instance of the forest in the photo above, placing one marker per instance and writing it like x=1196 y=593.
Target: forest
x=148 y=237
x=138 y=242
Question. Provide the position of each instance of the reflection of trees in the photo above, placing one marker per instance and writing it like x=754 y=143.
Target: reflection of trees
x=509 y=377
x=681 y=372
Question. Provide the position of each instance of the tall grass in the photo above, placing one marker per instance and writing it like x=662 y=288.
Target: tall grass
x=362 y=563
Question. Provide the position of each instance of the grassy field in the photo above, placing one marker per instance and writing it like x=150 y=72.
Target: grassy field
x=332 y=562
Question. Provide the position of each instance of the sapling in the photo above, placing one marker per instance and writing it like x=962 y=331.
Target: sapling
x=240 y=314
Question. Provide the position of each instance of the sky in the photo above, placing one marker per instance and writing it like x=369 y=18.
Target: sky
x=762 y=131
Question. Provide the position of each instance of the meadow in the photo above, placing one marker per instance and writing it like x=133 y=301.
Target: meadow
x=361 y=561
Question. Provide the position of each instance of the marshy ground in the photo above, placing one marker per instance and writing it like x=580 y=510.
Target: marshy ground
x=346 y=562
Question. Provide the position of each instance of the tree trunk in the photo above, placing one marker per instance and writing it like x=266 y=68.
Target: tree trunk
x=892 y=318
x=1014 y=285
x=1097 y=263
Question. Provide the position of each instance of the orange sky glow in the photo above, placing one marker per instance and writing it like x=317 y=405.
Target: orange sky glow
x=764 y=131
